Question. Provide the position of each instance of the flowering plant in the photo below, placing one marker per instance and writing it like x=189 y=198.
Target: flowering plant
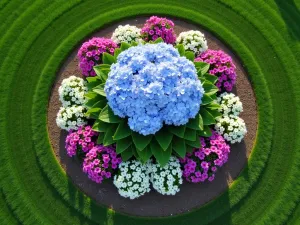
x=171 y=81
x=127 y=34
x=230 y=104
x=156 y=27
x=72 y=90
x=90 y=54
x=202 y=163
x=132 y=180
x=221 y=65
x=71 y=118
x=232 y=128
x=193 y=41
x=152 y=85
x=100 y=163
x=166 y=180
x=81 y=141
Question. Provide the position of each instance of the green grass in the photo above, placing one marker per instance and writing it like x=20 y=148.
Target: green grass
x=35 y=188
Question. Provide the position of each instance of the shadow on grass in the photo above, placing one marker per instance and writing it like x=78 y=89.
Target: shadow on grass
x=290 y=13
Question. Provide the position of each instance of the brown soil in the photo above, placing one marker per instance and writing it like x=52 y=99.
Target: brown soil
x=153 y=204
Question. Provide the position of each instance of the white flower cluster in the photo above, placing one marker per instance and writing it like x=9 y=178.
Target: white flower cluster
x=230 y=104
x=193 y=41
x=72 y=90
x=166 y=180
x=126 y=34
x=133 y=179
x=71 y=118
x=232 y=128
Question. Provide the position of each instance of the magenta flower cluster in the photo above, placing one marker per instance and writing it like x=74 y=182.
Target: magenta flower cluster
x=90 y=54
x=81 y=140
x=202 y=164
x=156 y=27
x=100 y=162
x=221 y=65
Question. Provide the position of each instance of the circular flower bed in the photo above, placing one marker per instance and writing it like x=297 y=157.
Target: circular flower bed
x=156 y=114
x=151 y=85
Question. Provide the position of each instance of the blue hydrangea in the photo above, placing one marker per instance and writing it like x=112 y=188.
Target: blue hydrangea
x=151 y=85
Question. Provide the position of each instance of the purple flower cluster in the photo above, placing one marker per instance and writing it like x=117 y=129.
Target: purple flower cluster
x=90 y=54
x=80 y=141
x=221 y=65
x=202 y=164
x=100 y=162
x=156 y=27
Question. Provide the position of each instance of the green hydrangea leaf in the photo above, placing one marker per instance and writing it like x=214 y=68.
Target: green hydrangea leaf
x=123 y=144
x=164 y=138
x=100 y=90
x=93 y=112
x=208 y=119
x=140 y=141
x=122 y=131
x=209 y=88
x=108 y=58
x=134 y=43
x=204 y=69
x=190 y=134
x=161 y=156
x=158 y=40
x=145 y=155
x=107 y=115
x=206 y=99
x=213 y=79
x=108 y=137
x=196 y=123
x=124 y=46
x=180 y=49
x=194 y=144
x=214 y=105
x=206 y=132
x=127 y=154
x=177 y=130
x=190 y=55
x=92 y=101
x=100 y=138
x=189 y=149
x=100 y=126
x=214 y=112
x=179 y=146
x=116 y=53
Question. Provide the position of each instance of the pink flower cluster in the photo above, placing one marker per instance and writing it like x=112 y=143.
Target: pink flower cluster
x=156 y=27
x=90 y=54
x=202 y=164
x=221 y=65
x=100 y=162
x=80 y=141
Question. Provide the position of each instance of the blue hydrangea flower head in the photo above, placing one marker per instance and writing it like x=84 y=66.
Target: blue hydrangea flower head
x=153 y=85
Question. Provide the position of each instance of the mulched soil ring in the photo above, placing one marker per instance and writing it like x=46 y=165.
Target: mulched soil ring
x=154 y=204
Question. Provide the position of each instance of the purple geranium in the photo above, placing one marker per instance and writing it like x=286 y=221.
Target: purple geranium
x=90 y=54
x=156 y=27
x=202 y=163
x=80 y=141
x=221 y=65
x=100 y=163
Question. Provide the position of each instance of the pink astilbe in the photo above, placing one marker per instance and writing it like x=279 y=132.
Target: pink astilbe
x=156 y=27
x=100 y=163
x=221 y=65
x=90 y=53
x=202 y=163
x=80 y=141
